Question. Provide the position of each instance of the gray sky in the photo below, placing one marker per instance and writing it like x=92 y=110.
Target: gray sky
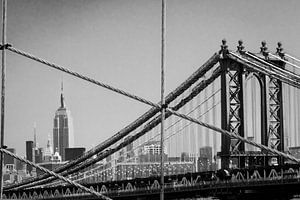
x=118 y=42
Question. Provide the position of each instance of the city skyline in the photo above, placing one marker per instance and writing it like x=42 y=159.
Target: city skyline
x=118 y=42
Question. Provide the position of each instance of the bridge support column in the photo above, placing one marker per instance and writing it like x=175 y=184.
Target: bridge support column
x=274 y=137
x=232 y=112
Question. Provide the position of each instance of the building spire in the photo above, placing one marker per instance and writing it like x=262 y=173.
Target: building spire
x=49 y=142
x=62 y=99
x=34 y=134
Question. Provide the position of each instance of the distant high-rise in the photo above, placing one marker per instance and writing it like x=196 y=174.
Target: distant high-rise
x=73 y=153
x=8 y=159
x=48 y=153
x=205 y=158
x=63 y=128
x=30 y=154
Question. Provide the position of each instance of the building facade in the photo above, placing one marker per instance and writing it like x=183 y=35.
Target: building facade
x=30 y=154
x=63 y=129
x=73 y=153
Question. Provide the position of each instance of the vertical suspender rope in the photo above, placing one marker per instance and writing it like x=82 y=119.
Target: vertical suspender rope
x=163 y=109
x=4 y=5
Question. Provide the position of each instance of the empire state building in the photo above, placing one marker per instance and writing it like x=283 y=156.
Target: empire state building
x=63 y=136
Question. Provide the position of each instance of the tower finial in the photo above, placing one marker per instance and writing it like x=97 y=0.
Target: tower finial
x=62 y=99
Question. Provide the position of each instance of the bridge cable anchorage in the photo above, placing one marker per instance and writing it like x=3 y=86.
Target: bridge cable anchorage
x=97 y=194
x=272 y=65
x=287 y=62
x=125 y=131
x=149 y=126
x=230 y=134
x=266 y=71
x=60 y=68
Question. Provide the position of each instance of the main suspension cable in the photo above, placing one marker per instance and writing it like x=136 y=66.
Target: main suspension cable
x=265 y=71
x=292 y=57
x=296 y=66
x=272 y=65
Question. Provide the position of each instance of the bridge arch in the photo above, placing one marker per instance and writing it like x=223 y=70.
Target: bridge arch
x=253 y=88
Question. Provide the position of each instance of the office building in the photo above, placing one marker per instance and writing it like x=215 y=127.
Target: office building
x=205 y=159
x=73 y=153
x=48 y=153
x=38 y=152
x=8 y=159
x=30 y=154
x=63 y=129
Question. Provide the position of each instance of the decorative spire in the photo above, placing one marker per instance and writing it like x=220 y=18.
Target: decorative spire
x=224 y=48
x=62 y=99
x=279 y=50
x=240 y=47
x=48 y=142
x=34 y=134
x=264 y=49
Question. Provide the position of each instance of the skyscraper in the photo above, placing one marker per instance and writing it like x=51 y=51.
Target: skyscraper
x=30 y=154
x=63 y=128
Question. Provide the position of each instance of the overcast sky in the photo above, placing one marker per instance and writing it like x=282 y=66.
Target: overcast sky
x=118 y=42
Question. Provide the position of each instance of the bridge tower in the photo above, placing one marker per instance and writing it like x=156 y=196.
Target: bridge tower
x=233 y=78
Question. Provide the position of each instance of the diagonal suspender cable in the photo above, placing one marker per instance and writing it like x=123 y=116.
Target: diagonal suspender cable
x=97 y=194
x=60 y=68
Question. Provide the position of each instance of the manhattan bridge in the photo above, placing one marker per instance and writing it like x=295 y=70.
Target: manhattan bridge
x=242 y=104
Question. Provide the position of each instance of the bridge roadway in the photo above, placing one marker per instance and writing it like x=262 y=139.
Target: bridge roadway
x=276 y=182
